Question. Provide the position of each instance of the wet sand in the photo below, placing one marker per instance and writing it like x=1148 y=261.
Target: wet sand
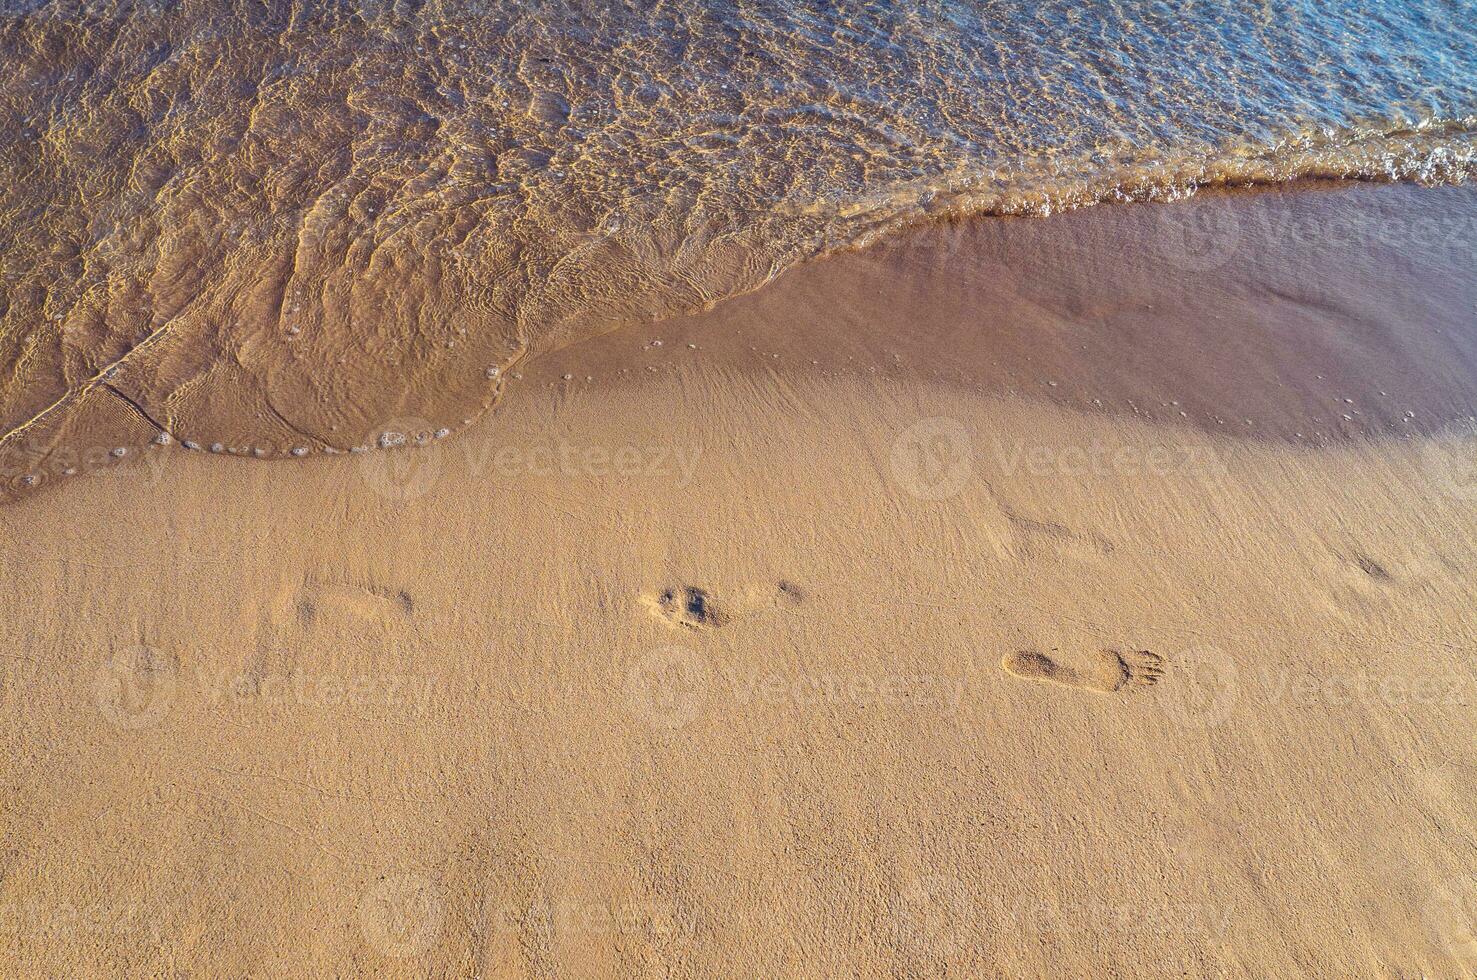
x=891 y=620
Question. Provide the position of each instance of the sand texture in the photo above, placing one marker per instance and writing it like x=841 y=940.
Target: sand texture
x=1022 y=598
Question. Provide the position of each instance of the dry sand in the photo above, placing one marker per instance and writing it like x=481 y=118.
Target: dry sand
x=827 y=637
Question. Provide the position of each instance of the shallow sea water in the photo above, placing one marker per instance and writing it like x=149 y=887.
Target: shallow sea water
x=271 y=224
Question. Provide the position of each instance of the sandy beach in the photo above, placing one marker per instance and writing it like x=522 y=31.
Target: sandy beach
x=1016 y=598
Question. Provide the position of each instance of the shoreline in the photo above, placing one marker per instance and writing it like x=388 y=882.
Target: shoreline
x=1197 y=239
x=1238 y=259
x=1062 y=313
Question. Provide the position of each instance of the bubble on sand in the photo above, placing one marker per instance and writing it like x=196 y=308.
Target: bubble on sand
x=190 y=444
x=163 y=439
x=493 y=372
x=258 y=452
x=217 y=447
x=569 y=377
x=402 y=476
x=442 y=433
x=120 y=452
x=300 y=450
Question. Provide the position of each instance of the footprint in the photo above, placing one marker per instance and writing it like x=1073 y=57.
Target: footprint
x=695 y=608
x=1104 y=672
x=686 y=606
x=780 y=595
x=1023 y=537
x=367 y=604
